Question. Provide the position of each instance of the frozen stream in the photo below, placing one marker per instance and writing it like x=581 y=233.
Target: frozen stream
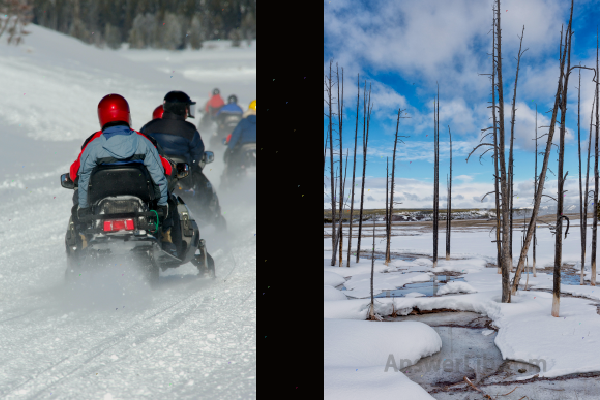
x=468 y=349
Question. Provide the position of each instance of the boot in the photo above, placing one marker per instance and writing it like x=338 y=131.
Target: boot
x=167 y=243
x=83 y=241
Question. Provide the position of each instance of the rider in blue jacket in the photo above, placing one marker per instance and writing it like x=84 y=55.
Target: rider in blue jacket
x=244 y=132
x=178 y=137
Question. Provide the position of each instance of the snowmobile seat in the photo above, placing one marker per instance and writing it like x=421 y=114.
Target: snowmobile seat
x=122 y=180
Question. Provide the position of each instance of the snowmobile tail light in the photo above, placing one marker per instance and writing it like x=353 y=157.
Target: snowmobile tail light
x=118 y=225
x=108 y=226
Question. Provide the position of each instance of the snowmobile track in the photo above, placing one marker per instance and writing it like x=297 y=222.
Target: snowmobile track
x=137 y=334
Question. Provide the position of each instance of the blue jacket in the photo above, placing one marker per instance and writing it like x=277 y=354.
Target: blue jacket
x=244 y=132
x=120 y=142
x=176 y=136
x=230 y=108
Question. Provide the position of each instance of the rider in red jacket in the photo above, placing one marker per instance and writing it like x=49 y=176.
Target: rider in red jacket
x=215 y=103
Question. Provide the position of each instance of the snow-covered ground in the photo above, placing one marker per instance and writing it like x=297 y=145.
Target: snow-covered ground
x=190 y=338
x=527 y=332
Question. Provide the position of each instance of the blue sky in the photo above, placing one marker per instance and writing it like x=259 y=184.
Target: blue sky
x=402 y=48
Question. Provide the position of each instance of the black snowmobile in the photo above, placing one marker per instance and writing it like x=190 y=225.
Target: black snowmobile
x=190 y=189
x=225 y=126
x=240 y=167
x=124 y=224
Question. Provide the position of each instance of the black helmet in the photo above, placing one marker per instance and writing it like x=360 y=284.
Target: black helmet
x=216 y=91
x=179 y=103
x=232 y=98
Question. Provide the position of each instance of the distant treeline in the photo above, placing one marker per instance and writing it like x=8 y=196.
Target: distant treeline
x=162 y=24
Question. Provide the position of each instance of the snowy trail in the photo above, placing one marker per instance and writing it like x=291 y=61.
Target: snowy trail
x=116 y=338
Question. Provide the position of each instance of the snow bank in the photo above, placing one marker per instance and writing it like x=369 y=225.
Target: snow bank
x=356 y=354
x=333 y=279
x=456 y=287
x=332 y=293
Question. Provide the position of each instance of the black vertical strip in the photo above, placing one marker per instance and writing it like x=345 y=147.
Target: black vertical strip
x=289 y=194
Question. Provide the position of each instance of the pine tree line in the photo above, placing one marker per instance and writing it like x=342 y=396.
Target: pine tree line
x=163 y=24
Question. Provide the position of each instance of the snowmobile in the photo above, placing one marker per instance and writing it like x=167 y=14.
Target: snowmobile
x=242 y=167
x=225 y=126
x=197 y=204
x=124 y=224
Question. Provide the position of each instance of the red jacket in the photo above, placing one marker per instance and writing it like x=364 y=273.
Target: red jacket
x=215 y=102
x=75 y=166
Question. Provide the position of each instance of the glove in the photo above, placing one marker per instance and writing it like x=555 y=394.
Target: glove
x=83 y=212
x=228 y=138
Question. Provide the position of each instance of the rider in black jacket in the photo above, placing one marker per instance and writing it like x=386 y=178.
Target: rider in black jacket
x=177 y=137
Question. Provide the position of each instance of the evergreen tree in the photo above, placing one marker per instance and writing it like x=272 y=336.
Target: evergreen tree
x=235 y=35
x=196 y=34
x=171 y=35
x=112 y=35
x=137 y=34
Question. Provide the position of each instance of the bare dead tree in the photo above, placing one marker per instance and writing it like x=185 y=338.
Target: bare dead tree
x=503 y=177
x=372 y=305
x=391 y=209
x=561 y=181
x=535 y=193
x=342 y=204
x=436 y=179
x=581 y=225
x=387 y=214
x=495 y=134
x=366 y=117
x=329 y=89
x=449 y=207
x=510 y=157
x=597 y=208
x=353 y=174
x=542 y=178
x=587 y=181
x=340 y=104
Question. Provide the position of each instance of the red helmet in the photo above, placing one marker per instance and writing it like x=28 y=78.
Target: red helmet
x=158 y=112
x=113 y=107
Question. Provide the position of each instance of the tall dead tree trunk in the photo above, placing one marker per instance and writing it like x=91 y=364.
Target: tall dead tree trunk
x=587 y=180
x=449 y=212
x=387 y=214
x=581 y=226
x=561 y=182
x=495 y=134
x=372 y=306
x=436 y=183
x=342 y=207
x=540 y=185
x=503 y=177
x=342 y=182
x=535 y=193
x=596 y=206
x=329 y=89
x=353 y=175
x=512 y=138
x=366 y=117
x=391 y=210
